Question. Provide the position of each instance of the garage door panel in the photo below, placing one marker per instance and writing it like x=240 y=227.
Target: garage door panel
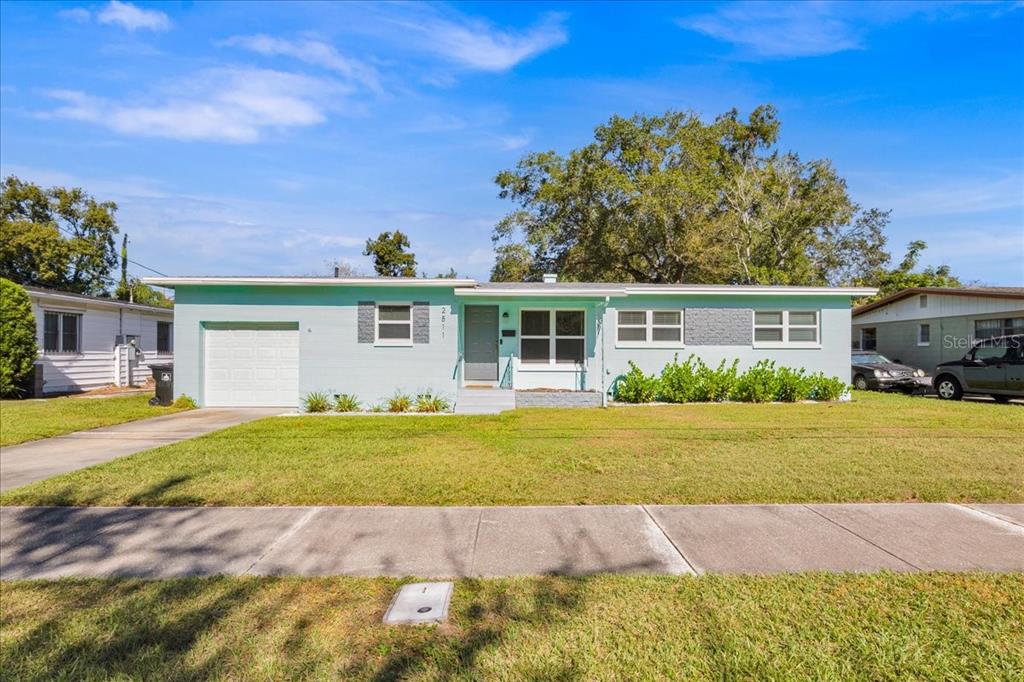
x=251 y=366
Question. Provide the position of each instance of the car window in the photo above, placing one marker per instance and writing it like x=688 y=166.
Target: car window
x=869 y=359
x=991 y=354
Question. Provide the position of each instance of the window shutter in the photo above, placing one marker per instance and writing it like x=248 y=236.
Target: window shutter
x=366 y=315
x=421 y=322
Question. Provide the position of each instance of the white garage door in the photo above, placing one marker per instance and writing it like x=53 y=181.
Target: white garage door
x=251 y=365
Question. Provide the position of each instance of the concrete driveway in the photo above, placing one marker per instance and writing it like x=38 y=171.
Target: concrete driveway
x=34 y=461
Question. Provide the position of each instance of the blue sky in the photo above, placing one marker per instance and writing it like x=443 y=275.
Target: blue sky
x=267 y=139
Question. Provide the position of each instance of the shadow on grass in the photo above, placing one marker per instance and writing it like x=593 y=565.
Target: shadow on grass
x=201 y=628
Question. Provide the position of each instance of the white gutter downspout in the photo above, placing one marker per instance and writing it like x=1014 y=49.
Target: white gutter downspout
x=604 y=372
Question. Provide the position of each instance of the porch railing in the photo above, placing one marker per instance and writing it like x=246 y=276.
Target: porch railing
x=508 y=377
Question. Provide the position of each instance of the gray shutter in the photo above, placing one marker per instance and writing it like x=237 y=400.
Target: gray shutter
x=366 y=316
x=421 y=322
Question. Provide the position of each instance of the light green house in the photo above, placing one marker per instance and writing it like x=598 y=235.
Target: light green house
x=271 y=340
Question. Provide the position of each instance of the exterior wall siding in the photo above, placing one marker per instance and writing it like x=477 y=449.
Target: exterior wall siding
x=94 y=365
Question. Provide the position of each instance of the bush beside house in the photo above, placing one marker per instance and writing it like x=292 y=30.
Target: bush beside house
x=693 y=381
x=18 y=349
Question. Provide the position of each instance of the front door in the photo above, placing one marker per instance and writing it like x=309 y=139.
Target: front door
x=480 y=343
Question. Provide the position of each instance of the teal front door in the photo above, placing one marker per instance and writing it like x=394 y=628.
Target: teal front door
x=480 y=343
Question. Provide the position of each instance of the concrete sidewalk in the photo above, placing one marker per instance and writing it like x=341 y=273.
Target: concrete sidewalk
x=39 y=459
x=51 y=542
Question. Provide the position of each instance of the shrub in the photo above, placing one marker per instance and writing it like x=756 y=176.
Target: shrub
x=759 y=384
x=377 y=407
x=793 y=385
x=636 y=387
x=679 y=383
x=427 y=402
x=346 y=402
x=715 y=385
x=316 y=402
x=826 y=388
x=186 y=402
x=399 y=402
x=17 y=338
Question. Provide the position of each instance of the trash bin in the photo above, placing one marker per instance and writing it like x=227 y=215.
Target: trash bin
x=163 y=375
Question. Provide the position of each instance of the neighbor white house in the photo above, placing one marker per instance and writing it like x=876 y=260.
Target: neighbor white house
x=271 y=340
x=83 y=340
x=924 y=326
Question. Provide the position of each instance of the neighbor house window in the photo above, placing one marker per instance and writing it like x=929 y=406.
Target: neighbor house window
x=552 y=337
x=786 y=328
x=163 y=337
x=61 y=332
x=924 y=334
x=923 y=299
x=649 y=328
x=986 y=329
x=394 y=324
x=868 y=339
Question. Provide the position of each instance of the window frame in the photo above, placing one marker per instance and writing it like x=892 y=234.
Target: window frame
x=1006 y=327
x=785 y=326
x=552 y=337
x=170 y=338
x=61 y=314
x=400 y=343
x=649 y=328
x=921 y=341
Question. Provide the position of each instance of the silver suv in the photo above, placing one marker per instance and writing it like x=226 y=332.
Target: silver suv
x=992 y=367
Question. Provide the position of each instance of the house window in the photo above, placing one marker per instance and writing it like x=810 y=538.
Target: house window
x=797 y=328
x=394 y=324
x=552 y=337
x=61 y=332
x=868 y=339
x=986 y=329
x=924 y=334
x=649 y=328
x=923 y=300
x=163 y=337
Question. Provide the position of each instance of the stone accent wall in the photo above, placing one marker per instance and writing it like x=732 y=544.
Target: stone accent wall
x=718 y=327
x=558 y=399
x=421 y=322
x=365 y=319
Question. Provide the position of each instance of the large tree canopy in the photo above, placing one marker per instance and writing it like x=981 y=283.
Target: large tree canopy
x=57 y=237
x=674 y=199
x=390 y=258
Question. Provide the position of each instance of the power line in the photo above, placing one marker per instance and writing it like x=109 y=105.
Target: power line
x=144 y=267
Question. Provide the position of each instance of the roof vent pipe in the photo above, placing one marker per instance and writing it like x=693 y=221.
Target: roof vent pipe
x=550 y=278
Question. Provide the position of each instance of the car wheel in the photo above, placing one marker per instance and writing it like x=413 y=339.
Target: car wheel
x=1001 y=398
x=860 y=383
x=949 y=388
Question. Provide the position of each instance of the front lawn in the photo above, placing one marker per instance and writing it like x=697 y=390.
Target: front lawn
x=24 y=420
x=870 y=627
x=879 y=447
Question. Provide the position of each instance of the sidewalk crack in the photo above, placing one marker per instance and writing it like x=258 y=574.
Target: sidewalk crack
x=861 y=537
x=292 y=530
x=693 y=569
x=476 y=540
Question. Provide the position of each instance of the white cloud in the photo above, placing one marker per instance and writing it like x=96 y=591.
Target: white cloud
x=76 y=14
x=304 y=238
x=225 y=104
x=311 y=52
x=132 y=17
x=779 y=29
x=475 y=44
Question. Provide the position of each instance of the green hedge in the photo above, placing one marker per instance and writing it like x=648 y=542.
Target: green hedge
x=17 y=338
x=692 y=381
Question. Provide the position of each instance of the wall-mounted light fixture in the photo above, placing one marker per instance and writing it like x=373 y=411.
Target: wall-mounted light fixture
x=504 y=315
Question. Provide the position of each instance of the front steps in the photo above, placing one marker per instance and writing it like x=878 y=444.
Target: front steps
x=484 y=401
